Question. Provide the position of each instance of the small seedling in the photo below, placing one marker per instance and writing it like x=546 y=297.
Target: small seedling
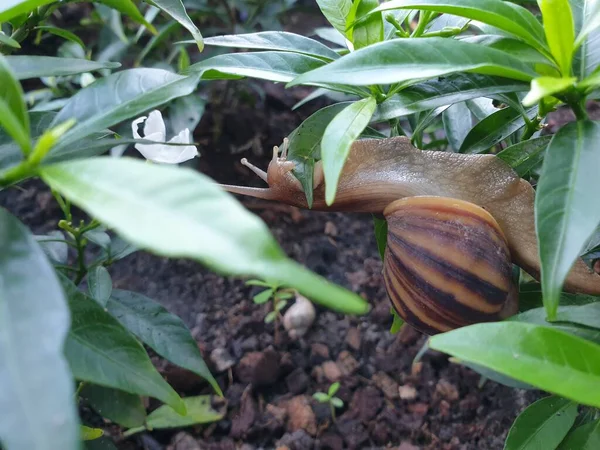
x=277 y=294
x=334 y=402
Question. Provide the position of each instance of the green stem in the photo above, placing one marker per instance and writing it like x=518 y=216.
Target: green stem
x=16 y=174
x=579 y=110
x=424 y=19
x=532 y=127
x=332 y=408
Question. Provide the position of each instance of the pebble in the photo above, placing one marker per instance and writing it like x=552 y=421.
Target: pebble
x=447 y=390
x=387 y=385
x=298 y=440
x=222 y=360
x=347 y=363
x=300 y=415
x=297 y=382
x=332 y=371
x=259 y=368
x=184 y=441
x=407 y=392
x=318 y=353
x=353 y=339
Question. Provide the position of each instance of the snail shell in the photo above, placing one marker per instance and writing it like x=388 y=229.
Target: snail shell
x=447 y=264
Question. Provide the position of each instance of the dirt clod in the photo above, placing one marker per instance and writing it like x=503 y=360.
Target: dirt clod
x=300 y=415
x=259 y=368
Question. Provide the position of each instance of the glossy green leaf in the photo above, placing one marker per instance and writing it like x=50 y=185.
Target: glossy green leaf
x=339 y=135
x=585 y=437
x=90 y=434
x=141 y=201
x=118 y=97
x=457 y=124
x=162 y=331
x=541 y=356
x=336 y=12
x=65 y=34
x=560 y=32
x=27 y=66
x=587 y=55
x=494 y=376
x=13 y=111
x=163 y=33
x=545 y=86
x=118 y=406
x=13 y=8
x=401 y=60
x=525 y=155
x=494 y=129
x=34 y=321
x=273 y=66
x=591 y=82
x=199 y=410
x=176 y=10
x=128 y=8
x=515 y=47
x=100 y=285
x=481 y=107
x=588 y=315
x=368 y=31
x=506 y=16
x=277 y=41
x=101 y=351
x=8 y=41
x=10 y=152
x=543 y=424
x=566 y=204
x=444 y=91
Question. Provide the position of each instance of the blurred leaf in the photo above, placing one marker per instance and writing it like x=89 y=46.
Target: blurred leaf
x=566 y=204
x=55 y=246
x=188 y=204
x=543 y=424
x=13 y=111
x=585 y=437
x=162 y=331
x=494 y=376
x=128 y=8
x=545 y=86
x=368 y=31
x=506 y=16
x=10 y=152
x=13 y=8
x=263 y=297
x=199 y=410
x=183 y=60
x=560 y=32
x=117 y=406
x=590 y=23
x=457 y=124
x=101 y=351
x=588 y=315
x=186 y=112
x=268 y=65
x=103 y=443
x=27 y=66
x=90 y=434
x=321 y=397
x=525 y=155
x=401 y=60
x=100 y=285
x=8 y=41
x=277 y=41
x=176 y=10
x=587 y=55
x=397 y=322
x=332 y=35
x=333 y=389
x=381 y=229
x=65 y=34
x=541 y=356
x=158 y=38
x=339 y=135
x=337 y=402
x=515 y=47
x=336 y=12
x=34 y=321
x=119 y=97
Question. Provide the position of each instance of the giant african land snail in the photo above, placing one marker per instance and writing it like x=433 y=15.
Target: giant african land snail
x=455 y=222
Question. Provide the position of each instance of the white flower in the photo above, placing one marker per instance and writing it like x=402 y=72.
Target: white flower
x=154 y=130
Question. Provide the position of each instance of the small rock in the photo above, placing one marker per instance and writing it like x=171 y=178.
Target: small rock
x=387 y=385
x=297 y=381
x=278 y=413
x=318 y=353
x=366 y=403
x=407 y=446
x=347 y=363
x=447 y=390
x=318 y=374
x=331 y=229
x=249 y=344
x=381 y=314
x=259 y=368
x=354 y=433
x=353 y=339
x=221 y=359
x=420 y=409
x=245 y=418
x=184 y=441
x=408 y=335
x=273 y=419
x=331 y=441
x=300 y=415
x=247 y=447
x=298 y=440
x=407 y=392
x=444 y=409
x=332 y=371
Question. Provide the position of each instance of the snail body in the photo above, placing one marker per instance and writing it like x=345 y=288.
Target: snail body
x=379 y=172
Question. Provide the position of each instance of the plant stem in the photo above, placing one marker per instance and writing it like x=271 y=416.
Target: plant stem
x=332 y=408
x=424 y=18
x=579 y=110
x=532 y=127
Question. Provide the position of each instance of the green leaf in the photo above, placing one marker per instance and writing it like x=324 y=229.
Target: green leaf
x=370 y=30
x=494 y=376
x=537 y=355
x=100 y=285
x=119 y=97
x=506 y=16
x=542 y=425
x=13 y=111
x=566 y=204
x=103 y=443
x=560 y=32
x=275 y=40
x=139 y=201
x=199 y=410
x=336 y=12
x=339 y=135
x=585 y=437
x=545 y=86
x=525 y=155
x=587 y=55
x=65 y=34
x=118 y=406
x=397 y=322
x=333 y=389
x=337 y=402
x=8 y=41
x=90 y=434
x=28 y=66
x=176 y=10
x=515 y=47
x=263 y=297
x=10 y=9
x=34 y=321
x=10 y=152
x=457 y=124
x=494 y=129
x=588 y=315
x=321 y=397
x=444 y=91
x=162 y=331
x=272 y=66
x=381 y=229
x=591 y=21
x=591 y=82
x=269 y=318
x=401 y=60
x=332 y=35
x=128 y=8
x=163 y=33
x=101 y=351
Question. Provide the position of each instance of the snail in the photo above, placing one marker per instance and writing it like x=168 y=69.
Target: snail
x=456 y=223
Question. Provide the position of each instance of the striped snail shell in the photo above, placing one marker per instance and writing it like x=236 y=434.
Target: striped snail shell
x=447 y=264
